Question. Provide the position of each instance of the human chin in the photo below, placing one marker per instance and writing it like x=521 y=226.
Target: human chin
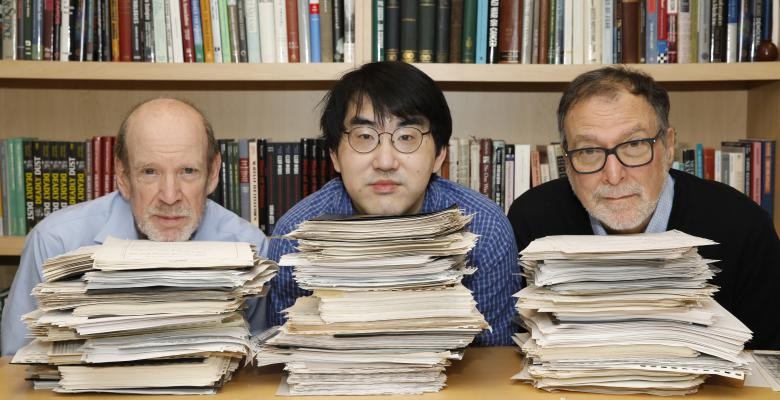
x=624 y=214
x=162 y=229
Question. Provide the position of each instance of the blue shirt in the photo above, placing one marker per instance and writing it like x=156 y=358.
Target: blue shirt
x=495 y=254
x=660 y=218
x=91 y=223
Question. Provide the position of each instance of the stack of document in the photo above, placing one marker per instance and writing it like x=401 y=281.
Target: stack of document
x=388 y=311
x=144 y=317
x=624 y=314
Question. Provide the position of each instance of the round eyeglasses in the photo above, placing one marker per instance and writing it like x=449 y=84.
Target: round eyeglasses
x=633 y=153
x=364 y=139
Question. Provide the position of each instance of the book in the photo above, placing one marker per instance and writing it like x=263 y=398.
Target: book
x=510 y=27
x=456 y=30
x=392 y=35
x=441 y=50
x=408 y=28
x=426 y=33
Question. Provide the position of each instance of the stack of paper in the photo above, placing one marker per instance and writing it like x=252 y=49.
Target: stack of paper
x=144 y=317
x=624 y=314
x=388 y=310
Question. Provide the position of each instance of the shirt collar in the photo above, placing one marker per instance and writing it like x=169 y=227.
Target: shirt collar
x=660 y=219
x=120 y=222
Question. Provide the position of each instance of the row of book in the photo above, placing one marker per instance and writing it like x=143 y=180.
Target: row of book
x=572 y=31
x=211 y=31
x=746 y=165
x=260 y=180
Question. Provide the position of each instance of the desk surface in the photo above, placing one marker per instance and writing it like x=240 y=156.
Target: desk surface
x=483 y=374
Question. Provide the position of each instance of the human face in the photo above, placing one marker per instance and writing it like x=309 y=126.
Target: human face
x=386 y=181
x=622 y=198
x=167 y=179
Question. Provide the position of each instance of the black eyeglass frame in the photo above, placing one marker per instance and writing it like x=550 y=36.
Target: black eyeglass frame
x=379 y=138
x=567 y=153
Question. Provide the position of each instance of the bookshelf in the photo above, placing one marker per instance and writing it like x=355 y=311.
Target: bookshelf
x=517 y=103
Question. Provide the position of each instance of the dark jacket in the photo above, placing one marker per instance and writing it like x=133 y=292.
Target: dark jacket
x=749 y=250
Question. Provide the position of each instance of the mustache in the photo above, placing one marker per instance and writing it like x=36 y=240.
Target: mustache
x=626 y=189
x=174 y=211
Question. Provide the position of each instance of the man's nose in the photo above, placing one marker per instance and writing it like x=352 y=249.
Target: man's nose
x=385 y=155
x=170 y=189
x=613 y=170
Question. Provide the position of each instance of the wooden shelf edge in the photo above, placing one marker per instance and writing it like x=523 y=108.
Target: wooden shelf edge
x=515 y=73
x=11 y=245
x=125 y=71
x=542 y=73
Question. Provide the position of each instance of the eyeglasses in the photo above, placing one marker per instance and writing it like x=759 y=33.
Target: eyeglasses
x=364 y=139
x=633 y=153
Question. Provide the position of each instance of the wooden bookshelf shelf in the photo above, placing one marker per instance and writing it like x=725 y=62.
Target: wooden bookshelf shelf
x=125 y=71
x=11 y=245
x=515 y=73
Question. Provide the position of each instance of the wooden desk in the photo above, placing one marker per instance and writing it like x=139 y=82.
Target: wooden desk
x=483 y=374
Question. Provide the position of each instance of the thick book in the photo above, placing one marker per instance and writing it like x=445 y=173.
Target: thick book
x=293 y=42
x=441 y=47
x=326 y=30
x=456 y=30
x=510 y=28
x=468 y=47
x=338 y=30
x=314 y=31
x=267 y=35
x=630 y=34
x=187 y=35
x=426 y=34
x=392 y=35
x=409 y=26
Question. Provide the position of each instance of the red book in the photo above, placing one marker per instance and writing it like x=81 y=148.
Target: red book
x=108 y=164
x=709 y=163
x=187 y=35
x=48 y=29
x=97 y=167
x=125 y=30
x=293 y=42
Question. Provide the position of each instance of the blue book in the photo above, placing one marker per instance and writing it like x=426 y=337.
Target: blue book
x=314 y=32
x=651 y=32
x=197 y=31
x=482 y=32
x=700 y=160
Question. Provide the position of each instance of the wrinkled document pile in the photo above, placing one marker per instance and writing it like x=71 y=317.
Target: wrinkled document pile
x=388 y=311
x=143 y=317
x=624 y=314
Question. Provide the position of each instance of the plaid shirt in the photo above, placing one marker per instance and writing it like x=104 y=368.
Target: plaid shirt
x=495 y=255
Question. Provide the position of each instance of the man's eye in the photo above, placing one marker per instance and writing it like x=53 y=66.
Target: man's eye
x=189 y=171
x=365 y=136
x=149 y=171
x=406 y=138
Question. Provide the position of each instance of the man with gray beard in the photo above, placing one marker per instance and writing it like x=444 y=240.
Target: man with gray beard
x=619 y=148
x=167 y=162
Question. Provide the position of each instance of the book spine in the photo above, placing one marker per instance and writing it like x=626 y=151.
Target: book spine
x=671 y=15
x=97 y=167
x=717 y=31
x=684 y=34
x=254 y=197
x=197 y=30
x=305 y=167
x=469 y=33
x=89 y=169
x=409 y=14
x=392 y=37
x=703 y=21
x=232 y=23
x=216 y=30
x=108 y=164
x=177 y=42
x=480 y=41
x=526 y=33
x=349 y=31
x=226 y=31
x=235 y=181
x=33 y=176
x=304 y=29
x=267 y=36
x=46 y=181
x=244 y=178
x=326 y=29
x=510 y=30
x=543 y=32
x=630 y=34
x=159 y=11
x=71 y=196
x=732 y=30
x=187 y=34
x=262 y=194
x=280 y=30
x=252 y=31
x=59 y=176
x=456 y=30
x=271 y=164
x=48 y=29
x=314 y=30
x=426 y=32
x=441 y=46
x=147 y=29
x=207 y=30
x=509 y=176
x=242 y=47
x=492 y=33
x=497 y=190
x=338 y=30
x=377 y=30
x=293 y=42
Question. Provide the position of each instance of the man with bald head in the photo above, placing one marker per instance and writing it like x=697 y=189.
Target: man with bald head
x=166 y=162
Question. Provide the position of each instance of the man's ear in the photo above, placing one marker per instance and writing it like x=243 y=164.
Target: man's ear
x=334 y=157
x=121 y=175
x=669 y=141
x=440 y=159
x=213 y=178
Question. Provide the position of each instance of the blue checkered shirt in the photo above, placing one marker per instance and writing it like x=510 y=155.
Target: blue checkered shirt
x=495 y=255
